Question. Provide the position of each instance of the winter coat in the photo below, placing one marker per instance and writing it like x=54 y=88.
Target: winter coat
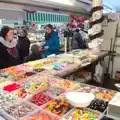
x=77 y=42
x=33 y=57
x=8 y=54
x=23 y=46
x=52 y=41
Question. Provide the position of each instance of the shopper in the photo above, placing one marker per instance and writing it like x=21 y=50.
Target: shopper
x=52 y=44
x=8 y=53
x=77 y=42
x=35 y=53
x=23 y=44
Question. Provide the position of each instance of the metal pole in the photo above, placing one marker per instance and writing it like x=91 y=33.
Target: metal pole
x=65 y=45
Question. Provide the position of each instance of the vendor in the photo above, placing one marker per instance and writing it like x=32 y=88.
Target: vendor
x=23 y=44
x=52 y=44
x=9 y=55
x=77 y=42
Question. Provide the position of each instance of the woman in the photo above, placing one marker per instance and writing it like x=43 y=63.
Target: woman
x=8 y=53
x=23 y=45
x=52 y=44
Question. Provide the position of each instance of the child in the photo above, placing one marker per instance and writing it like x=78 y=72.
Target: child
x=35 y=53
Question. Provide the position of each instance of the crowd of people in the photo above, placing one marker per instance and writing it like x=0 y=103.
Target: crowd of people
x=15 y=49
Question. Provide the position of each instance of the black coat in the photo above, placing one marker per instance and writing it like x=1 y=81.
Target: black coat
x=7 y=57
x=77 y=42
x=23 y=46
x=33 y=57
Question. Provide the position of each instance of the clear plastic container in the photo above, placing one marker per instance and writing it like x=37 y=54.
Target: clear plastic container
x=41 y=101
x=20 y=110
x=6 y=116
x=41 y=114
x=57 y=107
x=96 y=104
x=7 y=99
x=96 y=115
x=100 y=93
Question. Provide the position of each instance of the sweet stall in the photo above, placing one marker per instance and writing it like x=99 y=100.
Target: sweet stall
x=35 y=90
x=45 y=89
x=44 y=96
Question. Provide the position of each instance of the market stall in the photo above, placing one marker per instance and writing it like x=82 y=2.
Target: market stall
x=61 y=65
x=43 y=96
x=55 y=88
x=35 y=89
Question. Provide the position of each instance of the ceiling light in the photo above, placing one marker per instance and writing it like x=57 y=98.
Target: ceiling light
x=66 y=2
x=0 y=21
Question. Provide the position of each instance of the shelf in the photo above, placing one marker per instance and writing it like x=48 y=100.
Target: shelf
x=117 y=45
x=117 y=54
x=118 y=36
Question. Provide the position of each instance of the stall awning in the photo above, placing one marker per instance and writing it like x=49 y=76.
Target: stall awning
x=44 y=17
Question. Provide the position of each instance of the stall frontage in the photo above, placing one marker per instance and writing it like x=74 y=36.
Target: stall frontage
x=35 y=90
x=62 y=65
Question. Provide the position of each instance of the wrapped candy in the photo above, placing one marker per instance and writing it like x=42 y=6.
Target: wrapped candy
x=19 y=111
x=7 y=99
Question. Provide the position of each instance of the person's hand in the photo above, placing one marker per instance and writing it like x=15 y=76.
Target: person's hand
x=41 y=49
x=46 y=47
x=16 y=37
x=41 y=44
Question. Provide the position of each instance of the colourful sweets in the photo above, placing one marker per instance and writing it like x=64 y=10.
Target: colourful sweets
x=23 y=93
x=58 y=107
x=106 y=95
x=11 y=87
x=80 y=114
x=40 y=99
x=41 y=116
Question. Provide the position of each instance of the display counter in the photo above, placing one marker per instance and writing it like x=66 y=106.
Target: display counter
x=34 y=91
x=61 y=65
x=42 y=95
